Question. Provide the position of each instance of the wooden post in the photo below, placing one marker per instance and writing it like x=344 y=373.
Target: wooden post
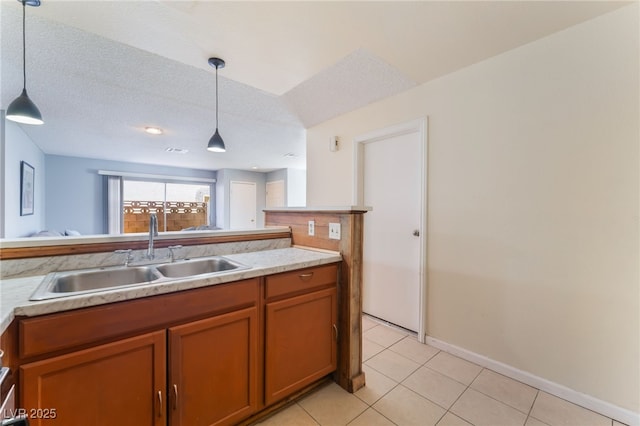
x=349 y=374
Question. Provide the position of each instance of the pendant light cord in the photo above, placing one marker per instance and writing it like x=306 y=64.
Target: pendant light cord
x=24 y=47
x=216 y=97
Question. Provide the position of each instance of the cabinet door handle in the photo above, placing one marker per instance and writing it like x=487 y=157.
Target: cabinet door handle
x=160 y=403
x=306 y=277
x=175 y=397
x=335 y=330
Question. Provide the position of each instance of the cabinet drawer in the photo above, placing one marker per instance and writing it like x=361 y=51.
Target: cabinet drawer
x=81 y=327
x=301 y=281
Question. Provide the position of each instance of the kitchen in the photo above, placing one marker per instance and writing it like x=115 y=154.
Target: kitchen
x=532 y=192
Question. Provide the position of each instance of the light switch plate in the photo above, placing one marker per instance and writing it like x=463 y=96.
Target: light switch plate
x=312 y=228
x=334 y=231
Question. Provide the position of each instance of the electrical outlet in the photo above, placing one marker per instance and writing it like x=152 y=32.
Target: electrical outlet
x=312 y=228
x=334 y=231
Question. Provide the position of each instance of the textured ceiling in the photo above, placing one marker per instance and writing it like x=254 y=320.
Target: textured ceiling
x=101 y=71
x=358 y=79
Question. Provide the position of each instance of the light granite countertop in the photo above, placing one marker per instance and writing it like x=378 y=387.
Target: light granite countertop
x=15 y=293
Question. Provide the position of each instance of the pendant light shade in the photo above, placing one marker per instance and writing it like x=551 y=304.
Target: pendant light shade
x=216 y=144
x=22 y=109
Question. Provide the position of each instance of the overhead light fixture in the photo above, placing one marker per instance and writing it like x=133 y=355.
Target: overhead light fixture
x=22 y=109
x=177 y=150
x=216 y=144
x=153 y=130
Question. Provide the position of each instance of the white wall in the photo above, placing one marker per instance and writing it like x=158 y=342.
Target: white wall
x=19 y=147
x=2 y=149
x=296 y=187
x=533 y=199
x=222 y=200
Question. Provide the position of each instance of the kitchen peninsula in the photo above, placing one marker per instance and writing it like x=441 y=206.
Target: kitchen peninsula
x=290 y=296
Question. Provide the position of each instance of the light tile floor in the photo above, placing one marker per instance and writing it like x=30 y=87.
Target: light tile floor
x=409 y=383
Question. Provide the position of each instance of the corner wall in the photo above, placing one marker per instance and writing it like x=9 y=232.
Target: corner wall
x=296 y=188
x=19 y=147
x=533 y=193
x=2 y=171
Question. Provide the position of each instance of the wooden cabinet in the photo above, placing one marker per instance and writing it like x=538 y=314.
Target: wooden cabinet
x=214 y=369
x=301 y=331
x=199 y=366
x=209 y=356
x=119 y=383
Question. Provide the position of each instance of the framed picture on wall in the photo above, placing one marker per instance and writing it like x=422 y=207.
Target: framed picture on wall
x=27 y=181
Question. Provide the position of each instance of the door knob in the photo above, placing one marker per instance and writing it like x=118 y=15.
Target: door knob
x=416 y=233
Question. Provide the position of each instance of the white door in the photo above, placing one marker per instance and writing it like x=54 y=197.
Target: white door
x=392 y=168
x=275 y=194
x=242 y=205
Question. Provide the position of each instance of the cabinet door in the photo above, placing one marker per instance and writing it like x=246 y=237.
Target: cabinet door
x=120 y=383
x=300 y=342
x=213 y=369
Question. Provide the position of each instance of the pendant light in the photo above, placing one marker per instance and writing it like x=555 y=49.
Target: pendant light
x=216 y=144
x=22 y=109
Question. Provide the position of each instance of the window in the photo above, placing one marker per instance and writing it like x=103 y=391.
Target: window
x=178 y=205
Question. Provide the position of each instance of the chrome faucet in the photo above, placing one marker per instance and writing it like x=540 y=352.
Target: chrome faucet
x=153 y=232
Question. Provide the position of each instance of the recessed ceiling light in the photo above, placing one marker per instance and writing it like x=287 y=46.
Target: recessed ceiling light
x=177 y=150
x=153 y=130
x=289 y=155
x=254 y=167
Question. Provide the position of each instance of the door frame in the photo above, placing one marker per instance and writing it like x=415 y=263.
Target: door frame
x=419 y=126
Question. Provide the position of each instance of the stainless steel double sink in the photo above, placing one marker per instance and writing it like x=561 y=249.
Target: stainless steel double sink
x=63 y=284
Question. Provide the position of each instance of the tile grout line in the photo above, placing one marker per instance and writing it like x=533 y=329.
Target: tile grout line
x=417 y=362
x=382 y=396
x=380 y=372
x=413 y=371
x=449 y=377
x=531 y=409
x=371 y=407
x=308 y=413
x=460 y=396
x=527 y=414
x=433 y=402
x=403 y=356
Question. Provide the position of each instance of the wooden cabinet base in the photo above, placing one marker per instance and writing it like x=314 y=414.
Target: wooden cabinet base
x=300 y=342
x=202 y=357
x=214 y=369
x=112 y=384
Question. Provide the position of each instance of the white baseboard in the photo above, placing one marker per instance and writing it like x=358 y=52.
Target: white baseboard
x=605 y=408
